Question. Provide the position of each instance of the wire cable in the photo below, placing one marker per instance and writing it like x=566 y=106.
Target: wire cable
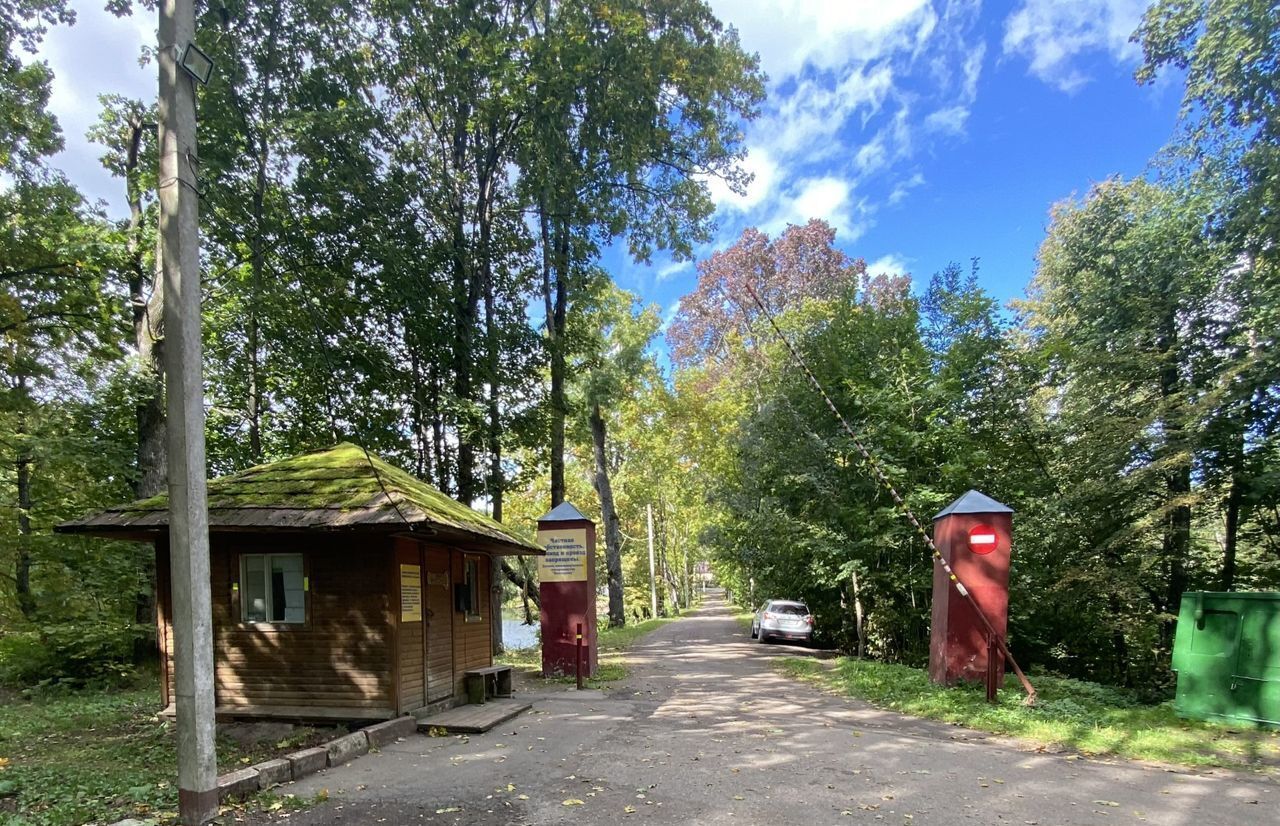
x=884 y=481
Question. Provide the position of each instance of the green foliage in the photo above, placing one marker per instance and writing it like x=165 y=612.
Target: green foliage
x=1069 y=714
x=71 y=654
x=75 y=757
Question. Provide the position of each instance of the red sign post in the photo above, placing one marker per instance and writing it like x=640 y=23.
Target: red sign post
x=974 y=535
x=567 y=588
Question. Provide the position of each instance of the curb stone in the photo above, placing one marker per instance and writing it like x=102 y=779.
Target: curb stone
x=307 y=761
x=347 y=747
x=273 y=773
x=237 y=784
x=381 y=734
x=247 y=781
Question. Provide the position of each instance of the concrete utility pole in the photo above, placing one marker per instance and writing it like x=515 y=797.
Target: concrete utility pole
x=653 y=583
x=188 y=506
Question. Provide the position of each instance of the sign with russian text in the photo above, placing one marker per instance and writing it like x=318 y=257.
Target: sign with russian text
x=410 y=593
x=566 y=557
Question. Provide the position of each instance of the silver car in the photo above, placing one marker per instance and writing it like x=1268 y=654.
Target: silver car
x=782 y=619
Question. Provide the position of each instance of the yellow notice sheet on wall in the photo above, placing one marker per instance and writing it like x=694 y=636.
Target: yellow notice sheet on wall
x=411 y=593
x=566 y=558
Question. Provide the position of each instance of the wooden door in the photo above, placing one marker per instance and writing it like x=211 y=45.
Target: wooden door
x=411 y=615
x=439 y=626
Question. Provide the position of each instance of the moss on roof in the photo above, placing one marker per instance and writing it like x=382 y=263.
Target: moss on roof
x=339 y=486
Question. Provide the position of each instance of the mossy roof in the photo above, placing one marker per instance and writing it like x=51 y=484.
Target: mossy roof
x=338 y=488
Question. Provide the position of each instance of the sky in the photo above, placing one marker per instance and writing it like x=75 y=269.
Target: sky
x=924 y=132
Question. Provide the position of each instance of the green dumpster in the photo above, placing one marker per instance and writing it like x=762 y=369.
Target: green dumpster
x=1227 y=657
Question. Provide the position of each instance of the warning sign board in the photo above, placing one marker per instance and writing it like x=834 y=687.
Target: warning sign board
x=566 y=558
x=410 y=593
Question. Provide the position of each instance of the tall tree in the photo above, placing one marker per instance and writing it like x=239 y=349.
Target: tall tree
x=802 y=263
x=616 y=369
x=621 y=135
x=1119 y=301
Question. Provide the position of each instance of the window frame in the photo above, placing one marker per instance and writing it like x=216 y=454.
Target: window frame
x=471 y=576
x=241 y=594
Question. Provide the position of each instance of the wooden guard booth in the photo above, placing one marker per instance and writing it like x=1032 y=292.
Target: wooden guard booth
x=343 y=588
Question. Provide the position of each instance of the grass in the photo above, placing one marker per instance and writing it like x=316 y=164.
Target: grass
x=1085 y=717
x=611 y=645
x=99 y=756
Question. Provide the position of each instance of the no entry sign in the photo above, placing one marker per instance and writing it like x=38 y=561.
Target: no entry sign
x=982 y=539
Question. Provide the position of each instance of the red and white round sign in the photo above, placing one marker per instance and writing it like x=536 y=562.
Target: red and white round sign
x=982 y=539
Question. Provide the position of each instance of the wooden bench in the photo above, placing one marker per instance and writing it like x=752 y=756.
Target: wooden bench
x=483 y=683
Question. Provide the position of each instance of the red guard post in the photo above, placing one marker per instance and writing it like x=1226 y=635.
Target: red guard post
x=974 y=535
x=567 y=587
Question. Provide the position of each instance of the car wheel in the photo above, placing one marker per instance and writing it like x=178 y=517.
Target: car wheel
x=753 y=633
x=761 y=638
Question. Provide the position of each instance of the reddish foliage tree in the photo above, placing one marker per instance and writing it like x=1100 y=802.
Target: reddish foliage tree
x=802 y=263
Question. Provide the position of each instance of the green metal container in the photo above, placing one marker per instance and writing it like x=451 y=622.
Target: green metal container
x=1227 y=657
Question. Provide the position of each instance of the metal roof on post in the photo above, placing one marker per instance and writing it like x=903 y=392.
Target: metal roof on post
x=564 y=512
x=973 y=502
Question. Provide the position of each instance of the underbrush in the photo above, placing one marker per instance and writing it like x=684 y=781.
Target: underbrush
x=1069 y=714
x=75 y=655
x=96 y=756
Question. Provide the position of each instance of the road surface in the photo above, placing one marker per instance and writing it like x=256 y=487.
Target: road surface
x=704 y=731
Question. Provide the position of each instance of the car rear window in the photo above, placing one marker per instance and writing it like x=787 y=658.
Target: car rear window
x=789 y=608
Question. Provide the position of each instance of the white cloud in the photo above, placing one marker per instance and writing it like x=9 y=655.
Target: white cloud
x=763 y=169
x=891 y=264
x=827 y=197
x=823 y=34
x=950 y=120
x=903 y=188
x=671 y=270
x=856 y=89
x=1052 y=34
x=806 y=119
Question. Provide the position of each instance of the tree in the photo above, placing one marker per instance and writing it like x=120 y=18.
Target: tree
x=1229 y=50
x=803 y=263
x=616 y=368
x=126 y=128
x=1121 y=304
x=634 y=105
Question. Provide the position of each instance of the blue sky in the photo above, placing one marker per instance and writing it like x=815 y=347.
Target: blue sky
x=933 y=132
x=925 y=132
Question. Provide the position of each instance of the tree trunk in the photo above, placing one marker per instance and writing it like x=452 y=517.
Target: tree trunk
x=148 y=332
x=149 y=411
x=1177 y=535
x=22 y=465
x=612 y=530
x=417 y=406
x=1234 y=497
x=440 y=461
x=494 y=434
x=524 y=590
x=555 y=294
x=859 y=621
x=254 y=402
x=522 y=580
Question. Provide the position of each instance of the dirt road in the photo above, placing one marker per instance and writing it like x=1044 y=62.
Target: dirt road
x=704 y=731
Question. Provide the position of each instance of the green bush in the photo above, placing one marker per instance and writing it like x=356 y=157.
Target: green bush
x=70 y=654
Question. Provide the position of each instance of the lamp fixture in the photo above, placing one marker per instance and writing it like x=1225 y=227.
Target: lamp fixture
x=196 y=63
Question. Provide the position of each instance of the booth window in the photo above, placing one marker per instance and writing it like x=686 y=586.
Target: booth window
x=471 y=576
x=272 y=588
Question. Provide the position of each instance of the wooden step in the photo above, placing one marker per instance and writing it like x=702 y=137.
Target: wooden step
x=473 y=718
